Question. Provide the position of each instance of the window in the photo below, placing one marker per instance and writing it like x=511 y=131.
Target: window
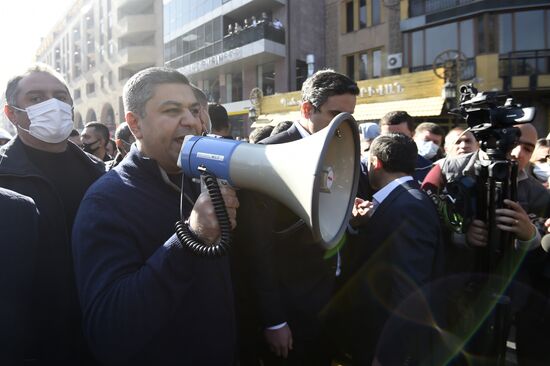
x=90 y=88
x=349 y=16
x=417 y=48
x=486 y=35
x=350 y=66
x=375 y=12
x=357 y=65
x=362 y=13
x=467 y=37
x=363 y=66
x=377 y=64
x=505 y=33
x=439 y=39
x=529 y=30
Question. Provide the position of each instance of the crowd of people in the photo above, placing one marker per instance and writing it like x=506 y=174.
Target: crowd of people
x=95 y=272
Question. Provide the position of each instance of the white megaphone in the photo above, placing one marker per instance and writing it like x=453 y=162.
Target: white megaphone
x=316 y=177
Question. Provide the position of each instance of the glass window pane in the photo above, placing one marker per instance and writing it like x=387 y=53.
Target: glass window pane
x=363 y=66
x=467 y=37
x=529 y=29
x=350 y=66
x=417 y=48
x=481 y=44
x=375 y=12
x=362 y=13
x=439 y=39
x=376 y=64
x=505 y=33
x=349 y=16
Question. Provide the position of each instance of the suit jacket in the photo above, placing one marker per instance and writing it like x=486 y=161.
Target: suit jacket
x=288 y=278
x=387 y=268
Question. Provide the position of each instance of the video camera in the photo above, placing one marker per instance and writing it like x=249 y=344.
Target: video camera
x=490 y=117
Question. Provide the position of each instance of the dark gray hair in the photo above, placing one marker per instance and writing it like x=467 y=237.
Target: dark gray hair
x=324 y=84
x=140 y=87
x=13 y=83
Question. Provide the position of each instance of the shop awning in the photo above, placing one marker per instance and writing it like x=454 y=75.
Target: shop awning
x=423 y=107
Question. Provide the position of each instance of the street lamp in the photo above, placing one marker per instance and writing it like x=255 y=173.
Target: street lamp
x=252 y=114
x=449 y=94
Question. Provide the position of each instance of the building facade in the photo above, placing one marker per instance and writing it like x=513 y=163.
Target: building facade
x=501 y=46
x=97 y=46
x=230 y=47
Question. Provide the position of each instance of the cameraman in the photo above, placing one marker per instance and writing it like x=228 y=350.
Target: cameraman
x=533 y=201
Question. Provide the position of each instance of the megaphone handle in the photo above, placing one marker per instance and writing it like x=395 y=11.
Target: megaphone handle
x=188 y=239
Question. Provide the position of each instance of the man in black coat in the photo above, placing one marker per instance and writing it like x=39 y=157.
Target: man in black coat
x=289 y=279
x=390 y=264
x=42 y=164
x=19 y=234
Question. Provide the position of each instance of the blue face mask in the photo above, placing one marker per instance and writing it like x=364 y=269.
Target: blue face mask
x=427 y=149
x=541 y=171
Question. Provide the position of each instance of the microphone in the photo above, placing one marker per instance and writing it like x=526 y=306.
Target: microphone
x=432 y=182
x=545 y=243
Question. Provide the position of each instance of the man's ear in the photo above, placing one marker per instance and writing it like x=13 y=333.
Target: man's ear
x=376 y=163
x=134 y=122
x=307 y=109
x=9 y=112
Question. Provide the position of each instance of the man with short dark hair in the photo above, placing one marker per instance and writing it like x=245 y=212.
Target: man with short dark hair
x=402 y=122
x=396 y=254
x=428 y=137
x=123 y=140
x=147 y=298
x=220 y=120
x=40 y=163
x=291 y=278
x=95 y=137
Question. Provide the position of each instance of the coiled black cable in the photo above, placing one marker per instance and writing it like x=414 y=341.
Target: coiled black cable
x=190 y=241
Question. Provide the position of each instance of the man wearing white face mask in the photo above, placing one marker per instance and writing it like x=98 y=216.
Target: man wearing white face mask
x=41 y=164
x=429 y=138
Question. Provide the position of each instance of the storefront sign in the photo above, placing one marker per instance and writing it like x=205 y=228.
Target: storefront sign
x=381 y=89
x=417 y=85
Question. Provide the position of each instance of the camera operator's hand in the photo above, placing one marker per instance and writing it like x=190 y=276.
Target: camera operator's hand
x=547 y=225
x=203 y=222
x=477 y=234
x=279 y=340
x=514 y=219
x=361 y=212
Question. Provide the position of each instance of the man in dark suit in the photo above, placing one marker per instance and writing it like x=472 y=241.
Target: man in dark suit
x=290 y=280
x=390 y=263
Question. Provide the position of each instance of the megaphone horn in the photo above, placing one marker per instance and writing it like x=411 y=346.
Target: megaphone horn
x=316 y=177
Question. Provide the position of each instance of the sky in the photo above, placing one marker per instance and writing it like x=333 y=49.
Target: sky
x=22 y=24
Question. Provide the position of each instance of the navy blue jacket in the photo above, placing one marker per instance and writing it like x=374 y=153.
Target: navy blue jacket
x=54 y=334
x=146 y=300
x=389 y=265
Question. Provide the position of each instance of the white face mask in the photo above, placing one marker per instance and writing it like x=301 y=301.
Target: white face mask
x=542 y=171
x=427 y=149
x=51 y=120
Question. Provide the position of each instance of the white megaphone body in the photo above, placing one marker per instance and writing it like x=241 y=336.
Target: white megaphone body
x=316 y=177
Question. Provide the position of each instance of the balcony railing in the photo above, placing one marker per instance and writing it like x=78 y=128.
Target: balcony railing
x=421 y=7
x=263 y=30
x=524 y=63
